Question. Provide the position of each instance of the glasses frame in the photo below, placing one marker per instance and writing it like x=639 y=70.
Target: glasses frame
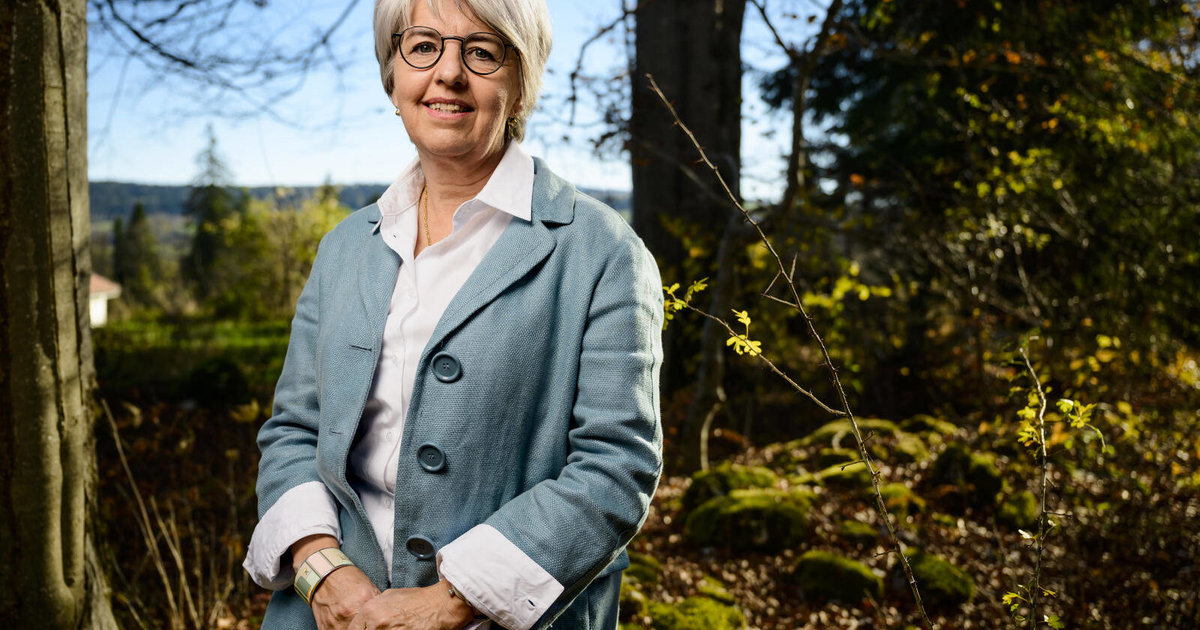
x=462 y=49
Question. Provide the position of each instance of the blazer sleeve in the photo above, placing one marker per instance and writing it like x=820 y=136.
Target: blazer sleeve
x=577 y=524
x=288 y=439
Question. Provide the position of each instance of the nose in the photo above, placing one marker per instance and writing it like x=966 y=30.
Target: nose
x=450 y=69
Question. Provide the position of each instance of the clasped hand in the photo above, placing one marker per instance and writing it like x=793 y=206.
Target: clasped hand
x=348 y=600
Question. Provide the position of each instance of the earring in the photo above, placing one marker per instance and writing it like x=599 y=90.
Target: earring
x=511 y=123
x=397 y=111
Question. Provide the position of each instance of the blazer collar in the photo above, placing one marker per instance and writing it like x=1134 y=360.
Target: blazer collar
x=553 y=199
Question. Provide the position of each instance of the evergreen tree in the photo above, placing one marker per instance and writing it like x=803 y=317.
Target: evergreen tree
x=136 y=263
x=209 y=206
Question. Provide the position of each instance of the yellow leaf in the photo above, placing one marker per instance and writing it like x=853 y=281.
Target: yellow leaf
x=1125 y=408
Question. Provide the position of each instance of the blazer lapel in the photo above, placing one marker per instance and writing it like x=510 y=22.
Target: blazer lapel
x=377 y=268
x=521 y=247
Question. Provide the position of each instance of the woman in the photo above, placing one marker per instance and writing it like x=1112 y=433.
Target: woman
x=466 y=429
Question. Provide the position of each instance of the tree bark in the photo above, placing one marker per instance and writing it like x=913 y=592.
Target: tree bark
x=47 y=471
x=693 y=49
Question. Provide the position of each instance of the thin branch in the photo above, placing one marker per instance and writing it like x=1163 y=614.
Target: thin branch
x=880 y=504
x=1040 y=543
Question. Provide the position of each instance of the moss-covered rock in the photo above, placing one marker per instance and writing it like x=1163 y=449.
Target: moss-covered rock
x=643 y=568
x=720 y=480
x=839 y=434
x=909 y=448
x=633 y=603
x=760 y=518
x=830 y=456
x=712 y=588
x=694 y=613
x=942 y=584
x=1019 y=510
x=786 y=456
x=974 y=475
x=858 y=533
x=825 y=575
x=851 y=476
x=927 y=425
x=900 y=500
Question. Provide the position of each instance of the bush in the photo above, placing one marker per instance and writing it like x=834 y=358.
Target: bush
x=720 y=480
x=974 y=475
x=942 y=584
x=1019 y=510
x=821 y=574
x=695 y=613
x=761 y=518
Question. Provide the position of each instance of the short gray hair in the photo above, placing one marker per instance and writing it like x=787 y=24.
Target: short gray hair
x=525 y=23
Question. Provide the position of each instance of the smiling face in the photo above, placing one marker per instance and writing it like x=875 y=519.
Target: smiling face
x=448 y=111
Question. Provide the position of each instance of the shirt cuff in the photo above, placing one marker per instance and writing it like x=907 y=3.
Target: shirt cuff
x=497 y=578
x=305 y=510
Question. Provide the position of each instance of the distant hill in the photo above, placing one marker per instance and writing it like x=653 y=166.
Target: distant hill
x=111 y=200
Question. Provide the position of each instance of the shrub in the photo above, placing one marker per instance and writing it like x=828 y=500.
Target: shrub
x=761 y=518
x=821 y=574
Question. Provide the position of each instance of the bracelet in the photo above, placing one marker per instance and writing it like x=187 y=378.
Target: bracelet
x=316 y=568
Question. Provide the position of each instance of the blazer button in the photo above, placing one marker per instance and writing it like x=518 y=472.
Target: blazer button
x=420 y=548
x=446 y=368
x=431 y=457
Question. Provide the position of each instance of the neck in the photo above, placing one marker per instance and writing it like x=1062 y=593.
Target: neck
x=451 y=181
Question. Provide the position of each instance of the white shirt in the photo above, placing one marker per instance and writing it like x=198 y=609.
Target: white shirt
x=425 y=285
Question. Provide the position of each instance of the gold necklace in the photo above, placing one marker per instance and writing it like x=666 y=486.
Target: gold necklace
x=425 y=209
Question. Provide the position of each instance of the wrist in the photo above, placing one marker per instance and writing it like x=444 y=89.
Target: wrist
x=459 y=607
x=307 y=546
x=315 y=568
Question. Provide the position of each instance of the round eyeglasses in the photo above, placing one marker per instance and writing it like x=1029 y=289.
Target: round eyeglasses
x=421 y=47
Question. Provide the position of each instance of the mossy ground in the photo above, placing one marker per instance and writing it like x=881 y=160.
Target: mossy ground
x=825 y=575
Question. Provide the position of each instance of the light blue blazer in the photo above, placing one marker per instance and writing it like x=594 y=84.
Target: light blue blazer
x=542 y=401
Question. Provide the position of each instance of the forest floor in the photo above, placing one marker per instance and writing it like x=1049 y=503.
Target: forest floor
x=1126 y=554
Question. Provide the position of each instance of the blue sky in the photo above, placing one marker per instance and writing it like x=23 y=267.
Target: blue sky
x=148 y=128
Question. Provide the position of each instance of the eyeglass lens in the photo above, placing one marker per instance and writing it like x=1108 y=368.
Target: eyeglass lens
x=422 y=47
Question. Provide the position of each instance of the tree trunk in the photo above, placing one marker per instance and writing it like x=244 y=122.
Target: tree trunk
x=692 y=47
x=47 y=471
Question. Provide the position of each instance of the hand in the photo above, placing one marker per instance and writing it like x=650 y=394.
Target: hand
x=340 y=596
x=428 y=608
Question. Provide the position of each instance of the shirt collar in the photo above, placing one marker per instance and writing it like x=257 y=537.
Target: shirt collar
x=509 y=189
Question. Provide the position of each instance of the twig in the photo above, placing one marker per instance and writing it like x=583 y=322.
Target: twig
x=880 y=505
x=1040 y=543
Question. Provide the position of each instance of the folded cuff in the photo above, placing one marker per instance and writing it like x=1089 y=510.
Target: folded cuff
x=305 y=510
x=497 y=578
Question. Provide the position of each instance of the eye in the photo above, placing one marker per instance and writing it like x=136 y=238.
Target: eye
x=424 y=48
x=481 y=53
